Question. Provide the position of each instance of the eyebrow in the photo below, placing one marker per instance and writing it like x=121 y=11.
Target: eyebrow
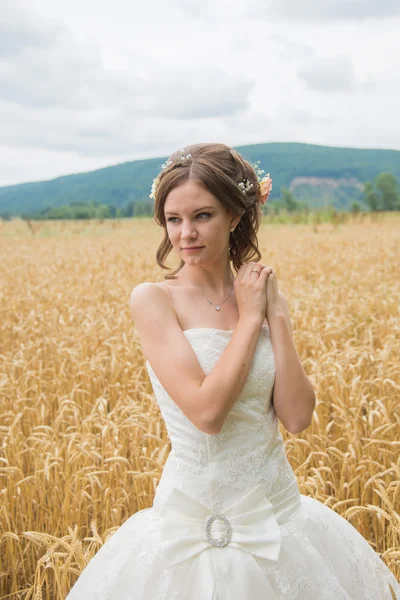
x=197 y=209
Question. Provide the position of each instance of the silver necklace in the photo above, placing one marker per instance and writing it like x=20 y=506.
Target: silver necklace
x=217 y=306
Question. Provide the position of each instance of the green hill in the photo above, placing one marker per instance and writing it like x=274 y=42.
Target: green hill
x=315 y=174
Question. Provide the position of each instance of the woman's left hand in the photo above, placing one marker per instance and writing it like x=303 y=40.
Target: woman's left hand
x=272 y=290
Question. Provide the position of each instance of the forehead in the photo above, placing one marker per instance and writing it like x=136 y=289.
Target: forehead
x=189 y=197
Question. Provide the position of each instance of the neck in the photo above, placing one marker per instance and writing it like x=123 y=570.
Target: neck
x=216 y=282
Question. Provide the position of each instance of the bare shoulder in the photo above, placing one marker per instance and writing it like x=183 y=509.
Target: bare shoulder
x=149 y=300
x=142 y=289
x=140 y=292
x=148 y=286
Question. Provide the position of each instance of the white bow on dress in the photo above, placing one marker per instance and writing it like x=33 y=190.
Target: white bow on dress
x=255 y=532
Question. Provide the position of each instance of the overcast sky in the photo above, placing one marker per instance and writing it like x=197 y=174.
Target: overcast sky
x=89 y=83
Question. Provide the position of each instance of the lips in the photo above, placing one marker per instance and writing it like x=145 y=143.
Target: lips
x=192 y=247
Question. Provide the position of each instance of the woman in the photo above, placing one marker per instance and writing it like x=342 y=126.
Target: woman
x=228 y=521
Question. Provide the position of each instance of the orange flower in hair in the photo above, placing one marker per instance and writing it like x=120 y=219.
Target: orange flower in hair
x=265 y=182
x=266 y=187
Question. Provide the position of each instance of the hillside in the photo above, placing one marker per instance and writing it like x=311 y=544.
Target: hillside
x=315 y=174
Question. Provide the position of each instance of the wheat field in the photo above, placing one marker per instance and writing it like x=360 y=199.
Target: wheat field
x=82 y=443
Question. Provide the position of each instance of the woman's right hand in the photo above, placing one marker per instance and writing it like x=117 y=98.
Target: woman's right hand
x=251 y=290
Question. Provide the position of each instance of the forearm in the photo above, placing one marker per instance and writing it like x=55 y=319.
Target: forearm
x=293 y=395
x=222 y=387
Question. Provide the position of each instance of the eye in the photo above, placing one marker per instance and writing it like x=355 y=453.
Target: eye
x=171 y=219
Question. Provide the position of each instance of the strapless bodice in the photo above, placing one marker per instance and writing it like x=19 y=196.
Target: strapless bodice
x=248 y=451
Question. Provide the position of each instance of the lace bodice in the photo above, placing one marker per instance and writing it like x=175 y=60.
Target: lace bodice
x=248 y=451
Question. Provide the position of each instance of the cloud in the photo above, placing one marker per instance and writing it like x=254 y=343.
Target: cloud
x=53 y=70
x=101 y=132
x=304 y=117
x=58 y=93
x=194 y=93
x=211 y=12
x=322 y=10
x=21 y=30
x=198 y=11
x=290 y=49
x=216 y=11
x=335 y=73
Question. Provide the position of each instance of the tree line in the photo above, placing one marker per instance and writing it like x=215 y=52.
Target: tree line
x=381 y=194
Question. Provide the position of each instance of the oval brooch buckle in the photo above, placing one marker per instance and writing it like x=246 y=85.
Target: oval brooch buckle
x=226 y=539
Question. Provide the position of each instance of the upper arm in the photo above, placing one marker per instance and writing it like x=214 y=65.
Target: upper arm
x=168 y=351
x=285 y=309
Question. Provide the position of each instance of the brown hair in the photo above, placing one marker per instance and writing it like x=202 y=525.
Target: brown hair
x=218 y=169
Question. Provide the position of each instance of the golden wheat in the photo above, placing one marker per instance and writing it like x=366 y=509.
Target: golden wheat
x=82 y=443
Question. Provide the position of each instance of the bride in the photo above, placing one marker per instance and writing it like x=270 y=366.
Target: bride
x=228 y=521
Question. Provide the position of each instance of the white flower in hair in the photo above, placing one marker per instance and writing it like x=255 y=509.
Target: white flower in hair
x=182 y=156
x=153 y=188
x=165 y=165
x=245 y=185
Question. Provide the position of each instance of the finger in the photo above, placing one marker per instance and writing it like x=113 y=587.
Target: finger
x=264 y=274
x=268 y=268
x=260 y=264
x=252 y=267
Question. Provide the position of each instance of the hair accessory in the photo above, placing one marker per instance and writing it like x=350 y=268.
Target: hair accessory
x=245 y=185
x=181 y=157
x=265 y=182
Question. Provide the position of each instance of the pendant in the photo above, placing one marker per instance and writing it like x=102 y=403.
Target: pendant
x=217 y=307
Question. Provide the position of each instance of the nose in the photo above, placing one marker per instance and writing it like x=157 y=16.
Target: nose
x=187 y=231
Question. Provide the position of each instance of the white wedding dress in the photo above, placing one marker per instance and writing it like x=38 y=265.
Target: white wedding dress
x=273 y=543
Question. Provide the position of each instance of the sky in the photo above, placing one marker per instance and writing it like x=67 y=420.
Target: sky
x=87 y=84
